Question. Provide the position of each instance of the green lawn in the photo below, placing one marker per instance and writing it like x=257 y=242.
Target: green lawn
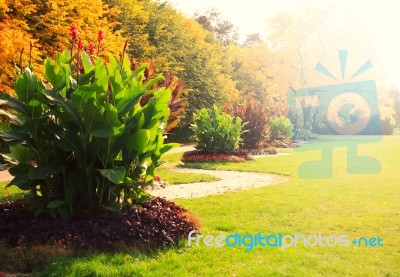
x=174 y=178
x=355 y=205
x=10 y=193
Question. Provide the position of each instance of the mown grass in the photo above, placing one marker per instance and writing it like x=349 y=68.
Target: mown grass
x=174 y=178
x=356 y=205
x=10 y=193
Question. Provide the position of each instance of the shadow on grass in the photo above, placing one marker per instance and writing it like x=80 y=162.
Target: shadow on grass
x=56 y=260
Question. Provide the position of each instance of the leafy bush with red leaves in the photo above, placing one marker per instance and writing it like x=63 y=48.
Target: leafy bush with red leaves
x=200 y=156
x=252 y=112
x=157 y=223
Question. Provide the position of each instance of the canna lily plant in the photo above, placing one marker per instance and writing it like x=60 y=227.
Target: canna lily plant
x=94 y=143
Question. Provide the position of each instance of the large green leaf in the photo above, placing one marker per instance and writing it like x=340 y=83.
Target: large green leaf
x=111 y=116
x=126 y=66
x=115 y=175
x=41 y=171
x=64 y=212
x=154 y=81
x=16 y=137
x=117 y=85
x=71 y=113
x=21 y=181
x=8 y=100
x=10 y=159
x=20 y=153
x=92 y=117
x=126 y=106
x=16 y=119
x=113 y=206
x=53 y=73
x=56 y=204
x=139 y=140
x=26 y=86
x=140 y=70
x=66 y=71
x=162 y=99
x=84 y=79
x=101 y=75
x=150 y=172
x=86 y=62
x=109 y=131
x=36 y=108
x=166 y=147
x=64 y=61
x=112 y=125
x=71 y=142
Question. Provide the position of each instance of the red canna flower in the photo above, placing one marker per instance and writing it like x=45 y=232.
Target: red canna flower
x=80 y=45
x=73 y=32
x=100 y=36
x=90 y=48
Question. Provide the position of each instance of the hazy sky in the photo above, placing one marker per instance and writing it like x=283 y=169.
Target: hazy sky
x=381 y=19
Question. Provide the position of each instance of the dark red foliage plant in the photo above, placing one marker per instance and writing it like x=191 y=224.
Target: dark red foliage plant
x=157 y=223
x=252 y=112
x=239 y=155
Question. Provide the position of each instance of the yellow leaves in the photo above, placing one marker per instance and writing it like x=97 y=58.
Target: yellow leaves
x=3 y=6
x=48 y=27
x=13 y=38
x=387 y=114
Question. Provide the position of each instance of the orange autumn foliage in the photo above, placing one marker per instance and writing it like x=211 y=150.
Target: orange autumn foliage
x=45 y=25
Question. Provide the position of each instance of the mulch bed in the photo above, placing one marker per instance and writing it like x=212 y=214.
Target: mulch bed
x=199 y=156
x=239 y=155
x=157 y=223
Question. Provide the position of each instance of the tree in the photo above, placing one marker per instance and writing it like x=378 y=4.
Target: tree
x=133 y=17
x=224 y=30
x=182 y=46
x=257 y=72
x=15 y=40
x=39 y=27
x=253 y=40
x=89 y=16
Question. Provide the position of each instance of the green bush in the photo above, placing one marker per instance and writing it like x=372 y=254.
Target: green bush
x=303 y=134
x=281 y=127
x=94 y=144
x=217 y=132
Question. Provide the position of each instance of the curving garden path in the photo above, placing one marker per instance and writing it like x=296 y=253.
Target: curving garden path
x=230 y=181
x=5 y=176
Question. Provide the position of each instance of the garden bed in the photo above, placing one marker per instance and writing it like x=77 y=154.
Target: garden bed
x=201 y=156
x=157 y=223
x=240 y=155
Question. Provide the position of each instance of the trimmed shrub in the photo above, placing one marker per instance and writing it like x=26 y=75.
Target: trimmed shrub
x=281 y=127
x=216 y=131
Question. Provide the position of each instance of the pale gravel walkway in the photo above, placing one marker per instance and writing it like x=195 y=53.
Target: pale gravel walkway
x=230 y=181
x=5 y=176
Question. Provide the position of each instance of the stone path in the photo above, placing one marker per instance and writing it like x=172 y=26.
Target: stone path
x=230 y=181
x=5 y=176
